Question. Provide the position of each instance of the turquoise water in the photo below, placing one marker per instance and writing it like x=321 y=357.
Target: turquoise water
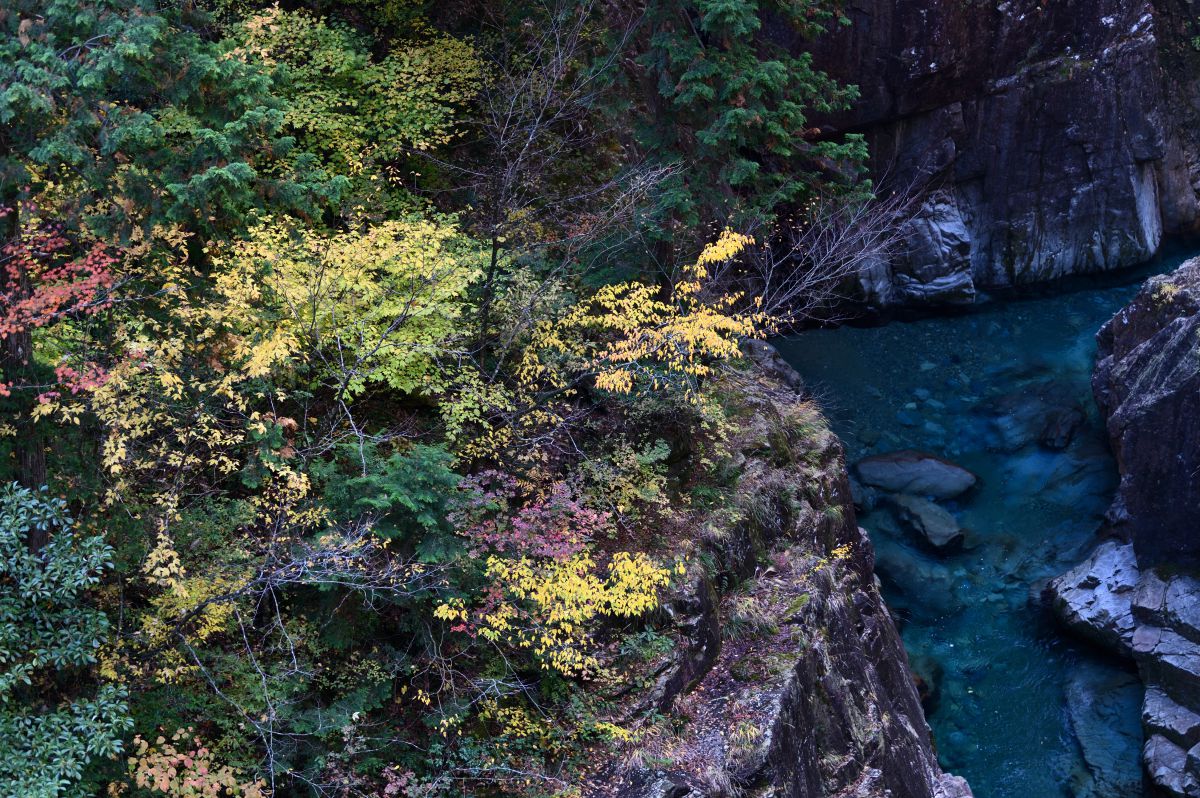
x=1016 y=708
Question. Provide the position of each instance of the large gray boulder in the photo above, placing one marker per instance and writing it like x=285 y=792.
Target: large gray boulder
x=916 y=473
x=934 y=523
x=1095 y=598
x=1048 y=413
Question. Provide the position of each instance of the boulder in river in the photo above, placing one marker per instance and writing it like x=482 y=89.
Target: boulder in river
x=916 y=473
x=931 y=521
x=1048 y=412
x=1095 y=598
x=923 y=583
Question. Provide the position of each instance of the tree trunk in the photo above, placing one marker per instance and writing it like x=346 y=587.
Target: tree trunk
x=489 y=292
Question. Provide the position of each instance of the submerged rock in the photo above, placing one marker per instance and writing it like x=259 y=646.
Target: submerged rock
x=1048 y=413
x=916 y=473
x=1059 y=426
x=928 y=584
x=931 y=521
x=1102 y=704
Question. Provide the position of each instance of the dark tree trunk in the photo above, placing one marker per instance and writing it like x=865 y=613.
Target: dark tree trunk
x=489 y=293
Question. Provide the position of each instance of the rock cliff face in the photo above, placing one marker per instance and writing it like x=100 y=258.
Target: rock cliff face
x=1147 y=383
x=1140 y=594
x=1041 y=139
x=790 y=678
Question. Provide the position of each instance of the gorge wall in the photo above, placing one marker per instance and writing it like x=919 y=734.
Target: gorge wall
x=1039 y=139
x=1147 y=385
x=1139 y=593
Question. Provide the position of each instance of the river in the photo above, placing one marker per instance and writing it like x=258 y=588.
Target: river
x=1017 y=708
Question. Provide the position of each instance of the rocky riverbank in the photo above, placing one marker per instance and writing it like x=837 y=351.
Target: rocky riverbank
x=788 y=677
x=1139 y=593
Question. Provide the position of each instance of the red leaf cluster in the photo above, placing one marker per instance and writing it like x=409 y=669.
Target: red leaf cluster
x=40 y=283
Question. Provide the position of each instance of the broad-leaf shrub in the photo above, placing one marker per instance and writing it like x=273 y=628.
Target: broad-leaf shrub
x=49 y=638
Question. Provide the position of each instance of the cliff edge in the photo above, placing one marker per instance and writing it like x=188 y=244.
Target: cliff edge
x=788 y=677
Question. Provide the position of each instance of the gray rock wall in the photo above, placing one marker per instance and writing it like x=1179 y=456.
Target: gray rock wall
x=1147 y=384
x=1140 y=593
x=1042 y=139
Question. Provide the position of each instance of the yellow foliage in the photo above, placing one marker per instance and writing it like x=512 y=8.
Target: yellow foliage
x=162 y=566
x=551 y=605
x=198 y=600
x=727 y=247
x=614 y=732
x=381 y=306
x=626 y=334
x=624 y=337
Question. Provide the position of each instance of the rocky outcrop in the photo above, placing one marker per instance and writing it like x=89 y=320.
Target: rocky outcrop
x=1147 y=383
x=1155 y=619
x=807 y=693
x=1140 y=594
x=1095 y=598
x=1039 y=139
